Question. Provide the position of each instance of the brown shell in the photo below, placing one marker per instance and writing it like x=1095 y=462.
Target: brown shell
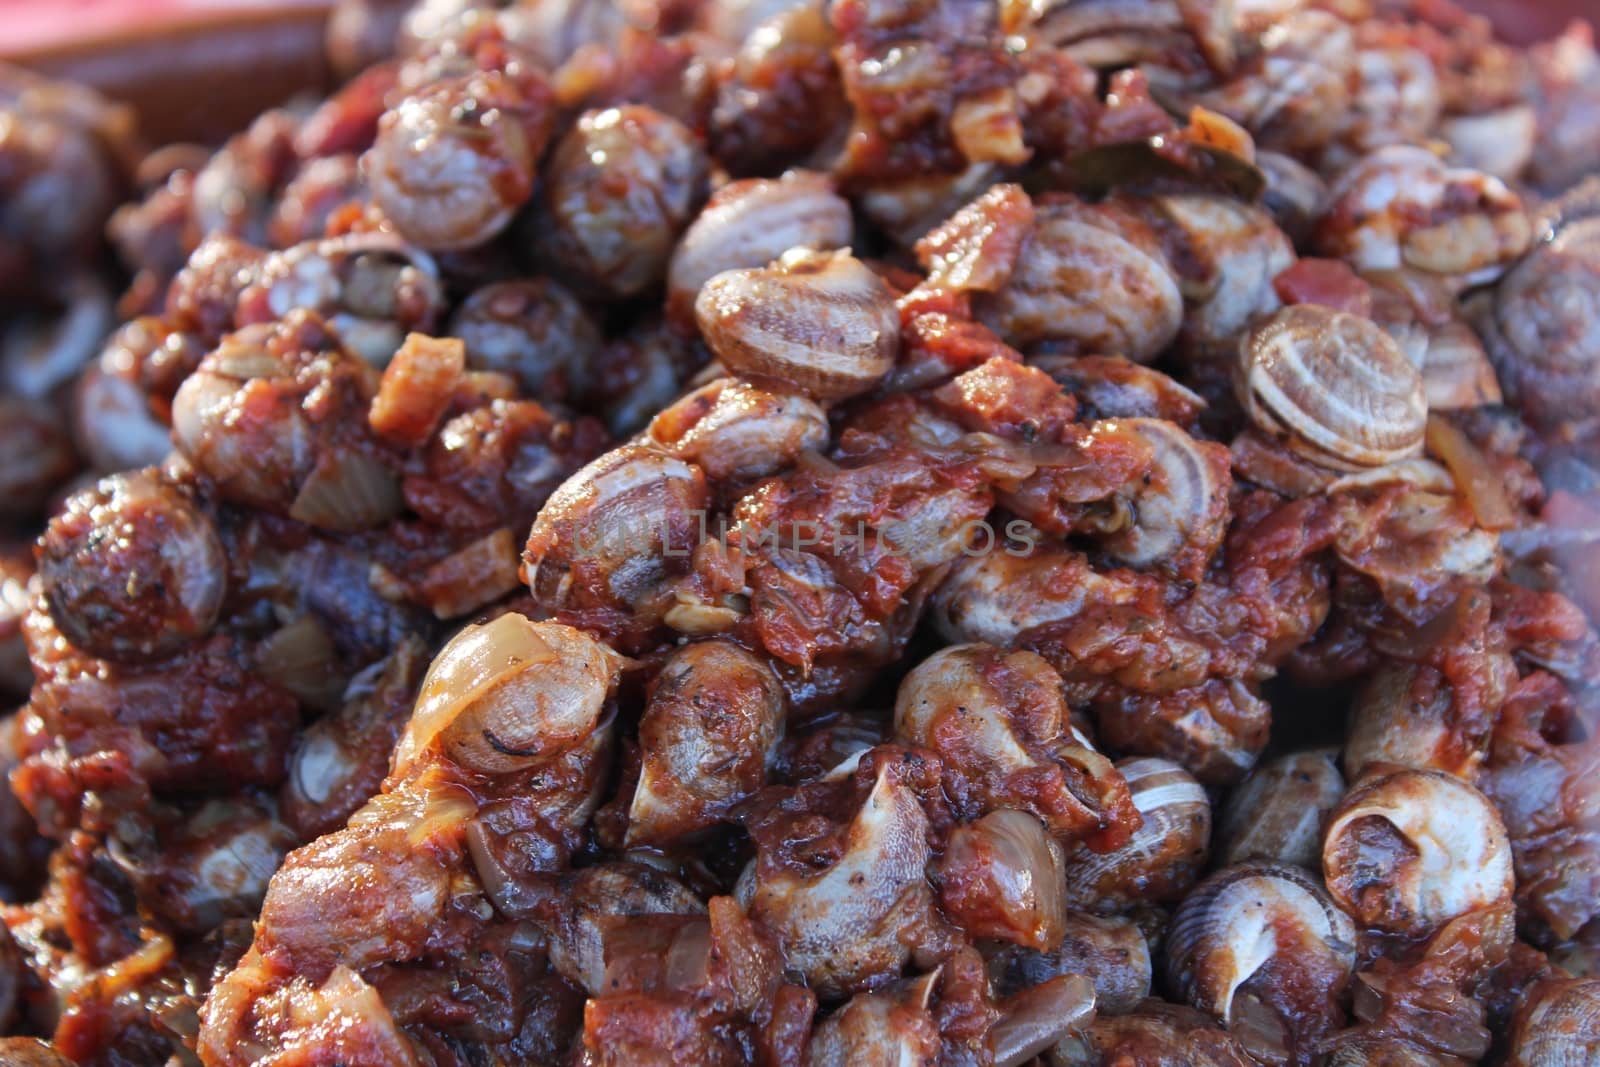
x=819 y=321
x=735 y=430
x=1092 y=277
x=1182 y=502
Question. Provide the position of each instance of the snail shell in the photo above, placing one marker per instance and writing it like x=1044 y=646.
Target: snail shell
x=617 y=189
x=1395 y=721
x=1181 y=504
x=1542 y=323
x=1241 y=919
x=979 y=707
x=1557 y=1024
x=1093 y=276
x=737 y=431
x=819 y=321
x=883 y=1029
x=1456 y=372
x=1241 y=250
x=1001 y=728
x=1295 y=93
x=708 y=733
x=509 y=694
x=995 y=597
x=748 y=224
x=1419 y=310
x=1395 y=99
x=1402 y=206
x=1335 y=386
x=1165 y=855
x=614 y=530
x=132 y=569
x=1276 y=814
x=1112 y=33
x=843 y=926
x=1408 y=851
x=1110 y=950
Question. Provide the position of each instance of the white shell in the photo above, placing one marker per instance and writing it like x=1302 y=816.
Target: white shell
x=1276 y=814
x=1542 y=325
x=1462 y=858
x=1335 y=386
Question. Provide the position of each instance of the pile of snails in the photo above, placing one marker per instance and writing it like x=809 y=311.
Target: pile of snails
x=805 y=533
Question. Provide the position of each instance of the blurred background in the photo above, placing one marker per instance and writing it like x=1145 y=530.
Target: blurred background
x=199 y=69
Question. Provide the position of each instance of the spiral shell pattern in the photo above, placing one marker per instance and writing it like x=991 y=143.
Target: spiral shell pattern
x=1334 y=386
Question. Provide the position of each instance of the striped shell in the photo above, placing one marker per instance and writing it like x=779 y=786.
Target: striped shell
x=1334 y=386
x=751 y=223
x=613 y=529
x=1542 y=323
x=1110 y=949
x=1296 y=95
x=1184 y=499
x=819 y=321
x=1408 y=851
x=1093 y=277
x=1276 y=814
x=1230 y=927
x=1557 y=1024
x=1164 y=857
x=737 y=430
